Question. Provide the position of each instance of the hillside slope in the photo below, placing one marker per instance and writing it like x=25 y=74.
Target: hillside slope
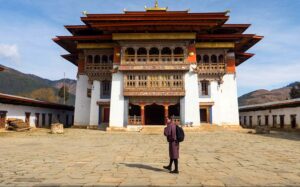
x=28 y=85
x=264 y=96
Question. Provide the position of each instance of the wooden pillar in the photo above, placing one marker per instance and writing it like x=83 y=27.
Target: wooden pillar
x=166 y=106
x=142 y=113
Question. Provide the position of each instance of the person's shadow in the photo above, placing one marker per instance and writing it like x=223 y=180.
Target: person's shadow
x=143 y=166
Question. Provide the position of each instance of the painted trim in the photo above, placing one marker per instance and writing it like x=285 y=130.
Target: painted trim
x=215 y=45
x=95 y=45
x=153 y=36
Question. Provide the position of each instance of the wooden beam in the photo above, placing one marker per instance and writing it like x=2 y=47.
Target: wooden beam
x=95 y=45
x=153 y=36
x=215 y=45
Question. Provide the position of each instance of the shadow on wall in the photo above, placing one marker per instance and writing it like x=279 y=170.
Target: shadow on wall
x=143 y=166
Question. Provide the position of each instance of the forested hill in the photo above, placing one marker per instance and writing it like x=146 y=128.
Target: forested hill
x=28 y=85
x=264 y=96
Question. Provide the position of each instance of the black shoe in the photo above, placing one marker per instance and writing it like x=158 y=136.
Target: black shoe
x=167 y=167
x=175 y=171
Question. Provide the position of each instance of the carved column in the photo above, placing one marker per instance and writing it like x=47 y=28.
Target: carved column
x=166 y=106
x=142 y=114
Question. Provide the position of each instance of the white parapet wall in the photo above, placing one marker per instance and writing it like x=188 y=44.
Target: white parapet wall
x=117 y=102
x=95 y=96
x=225 y=109
x=82 y=102
x=18 y=112
x=189 y=104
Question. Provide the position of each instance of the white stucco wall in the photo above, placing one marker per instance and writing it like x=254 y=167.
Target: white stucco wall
x=189 y=107
x=18 y=111
x=117 y=101
x=287 y=112
x=224 y=96
x=82 y=102
x=95 y=96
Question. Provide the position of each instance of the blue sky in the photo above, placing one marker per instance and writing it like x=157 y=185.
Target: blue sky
x=27 y=27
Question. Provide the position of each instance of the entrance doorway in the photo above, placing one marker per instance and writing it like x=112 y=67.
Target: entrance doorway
x=2 y=118
x=154 y=115
x=203 y=115
x=293 y=121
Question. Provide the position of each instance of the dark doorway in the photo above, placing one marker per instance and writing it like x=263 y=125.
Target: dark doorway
x=2 y=118
x=174 y=110
x=293 y=121
x=203 y=115
x=37 y=120
x=154 y=115
x=106 y=111
x=27 y=118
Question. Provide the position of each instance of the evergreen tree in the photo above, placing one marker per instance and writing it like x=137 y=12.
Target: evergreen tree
x=295 y=91
x=61 y=93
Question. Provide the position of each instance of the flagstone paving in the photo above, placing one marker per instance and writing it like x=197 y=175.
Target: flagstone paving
x=91 y=158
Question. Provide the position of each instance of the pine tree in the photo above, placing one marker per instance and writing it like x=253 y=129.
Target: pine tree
x=295 y=91
x=61 y=93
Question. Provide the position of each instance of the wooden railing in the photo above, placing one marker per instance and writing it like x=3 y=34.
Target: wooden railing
x=153 y=59
x=211 y=68
x=153 y=83
x=134 y=120
x=99 y=71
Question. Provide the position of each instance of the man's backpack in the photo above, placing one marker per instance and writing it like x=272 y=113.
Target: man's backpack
x=179 y=134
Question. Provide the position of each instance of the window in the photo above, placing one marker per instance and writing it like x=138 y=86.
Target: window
x=49 y=119
x=214 y=59
x=293 y=121
x=111 y=58
x=250 y=121
x=89 y=92
x=97 y=59
x=106 y=89
x=198 y=59
x=206 y=59
x=245 y=120
x=266 y=120
x=58 y=118
x=142 y=51
x=259 y=120
x=204 y=88
x=89 y=59
x=104 y=59
x=130 y=51
x=43 y=120
x=274 y=120
x=221 y=58
x=281 y=121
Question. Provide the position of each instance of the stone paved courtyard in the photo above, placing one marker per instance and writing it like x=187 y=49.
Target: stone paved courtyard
x=87 y=157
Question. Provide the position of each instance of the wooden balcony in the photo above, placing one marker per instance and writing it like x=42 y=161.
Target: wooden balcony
x=154 y=62
x=153 y=59
x=211 y=68
x=154 y=85
x=99 y=71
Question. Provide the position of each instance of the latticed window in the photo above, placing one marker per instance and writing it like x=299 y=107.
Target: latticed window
x=106 y=88
x=204 y=87
x=130 y=81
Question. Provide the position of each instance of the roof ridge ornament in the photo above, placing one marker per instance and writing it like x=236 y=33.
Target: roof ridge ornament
x=156 y=7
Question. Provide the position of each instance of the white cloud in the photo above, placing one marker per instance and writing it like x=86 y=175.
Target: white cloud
x=9 y=52
x=268 y=76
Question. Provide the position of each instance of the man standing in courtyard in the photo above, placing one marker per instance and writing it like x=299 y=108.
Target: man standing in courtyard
x=170 y=133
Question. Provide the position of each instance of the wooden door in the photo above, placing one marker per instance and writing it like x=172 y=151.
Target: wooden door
x=2 y=119
x=37 y=120
x=106 y=115
x=27 y=118
x=203 y=115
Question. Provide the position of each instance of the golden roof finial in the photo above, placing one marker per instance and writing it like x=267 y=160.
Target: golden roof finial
x=156 y=4
x=156 y=7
